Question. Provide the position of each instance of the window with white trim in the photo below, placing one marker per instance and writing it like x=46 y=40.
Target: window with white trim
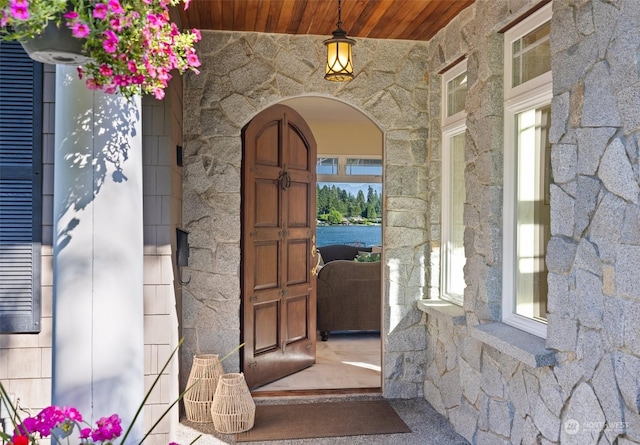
x=453 y=259
x=527 y=172
x=349 y=168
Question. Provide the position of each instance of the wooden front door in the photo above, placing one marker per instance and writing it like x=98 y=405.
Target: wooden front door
x=278 y=246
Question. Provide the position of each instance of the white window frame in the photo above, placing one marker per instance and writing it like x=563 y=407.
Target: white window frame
x=532 y=22
x=342 y=175
x=535 y=93
x=451 y=126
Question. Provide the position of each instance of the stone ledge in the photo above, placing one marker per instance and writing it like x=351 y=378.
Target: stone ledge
x=444 y=309
x=519 y=344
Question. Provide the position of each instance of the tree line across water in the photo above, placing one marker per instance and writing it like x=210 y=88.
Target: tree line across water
x=334 y=205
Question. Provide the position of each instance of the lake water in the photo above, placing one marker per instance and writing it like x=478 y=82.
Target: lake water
x=355 y=235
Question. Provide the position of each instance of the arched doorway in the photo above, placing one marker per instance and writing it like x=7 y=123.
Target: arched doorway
x=252 y=72
x=349 y=360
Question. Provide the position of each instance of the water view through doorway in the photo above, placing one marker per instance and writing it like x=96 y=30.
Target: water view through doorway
x=355 y=235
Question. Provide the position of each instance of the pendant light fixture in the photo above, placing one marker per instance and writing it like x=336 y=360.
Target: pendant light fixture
x=339 y=65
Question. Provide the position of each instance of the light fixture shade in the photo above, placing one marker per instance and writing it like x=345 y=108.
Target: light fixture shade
x=339 y=63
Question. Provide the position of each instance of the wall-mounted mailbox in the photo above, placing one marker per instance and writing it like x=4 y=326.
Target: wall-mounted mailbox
x=182 y=241
x=182 y=253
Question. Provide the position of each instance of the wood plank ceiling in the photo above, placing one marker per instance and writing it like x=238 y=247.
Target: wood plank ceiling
x=378 y=19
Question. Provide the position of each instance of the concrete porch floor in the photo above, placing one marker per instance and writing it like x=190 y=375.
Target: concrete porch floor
x=427 y=426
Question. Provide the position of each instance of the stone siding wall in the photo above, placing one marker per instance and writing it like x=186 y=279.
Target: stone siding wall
x=245 y=73
x=590 y=395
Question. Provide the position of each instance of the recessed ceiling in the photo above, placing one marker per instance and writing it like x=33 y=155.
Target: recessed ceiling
x=377 y=19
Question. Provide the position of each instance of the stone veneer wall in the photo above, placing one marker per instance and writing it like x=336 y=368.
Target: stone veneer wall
x=245 y=73
x=488 y=394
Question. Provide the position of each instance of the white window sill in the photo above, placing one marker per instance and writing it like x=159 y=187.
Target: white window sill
x=528 y=348
x=444 y=309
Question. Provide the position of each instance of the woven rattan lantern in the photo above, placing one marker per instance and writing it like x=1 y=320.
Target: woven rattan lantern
x=233 y=409
x=201 y=387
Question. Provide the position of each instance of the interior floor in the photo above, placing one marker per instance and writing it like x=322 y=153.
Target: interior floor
x=345 y=361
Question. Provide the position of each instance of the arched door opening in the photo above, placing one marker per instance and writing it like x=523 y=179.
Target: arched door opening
x=349 y=152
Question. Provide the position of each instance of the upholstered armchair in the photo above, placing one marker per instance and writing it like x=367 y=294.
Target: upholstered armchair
x=349 y=296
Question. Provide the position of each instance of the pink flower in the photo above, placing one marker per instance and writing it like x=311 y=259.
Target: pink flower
x=92 y=84
x=121 y=81
x=85 y=433
x=158 y=93
x=193 y=60
x=106 y=70
x=151 y=70
x=20 y=9
x=100 y=11
x=155 y=20
x=108 y=428
x=28 y=426
x=186 y=4
x=116 y=24
x=80 y=30
x=114 y=5
x=110 y=43
x=197 y=34
x=131 y=65
x=72 y=414
x=45 y=421
x=71 y=15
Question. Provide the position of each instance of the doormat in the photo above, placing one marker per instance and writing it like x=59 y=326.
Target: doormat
x=331 y=419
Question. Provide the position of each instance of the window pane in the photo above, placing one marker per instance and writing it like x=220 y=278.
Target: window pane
x=533 y=212
x=531 y=55
x=456 y=260
x=364 y=167
x=327 y=166
x=456 y=94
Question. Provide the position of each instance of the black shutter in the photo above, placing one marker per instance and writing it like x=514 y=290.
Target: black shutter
x=20 y=189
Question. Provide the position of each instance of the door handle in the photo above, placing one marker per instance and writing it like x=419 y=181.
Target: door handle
x=285 y=180
x=314 y=271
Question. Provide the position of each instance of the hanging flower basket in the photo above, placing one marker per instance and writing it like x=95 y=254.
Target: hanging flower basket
x=128 y=48
x=56 y=45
